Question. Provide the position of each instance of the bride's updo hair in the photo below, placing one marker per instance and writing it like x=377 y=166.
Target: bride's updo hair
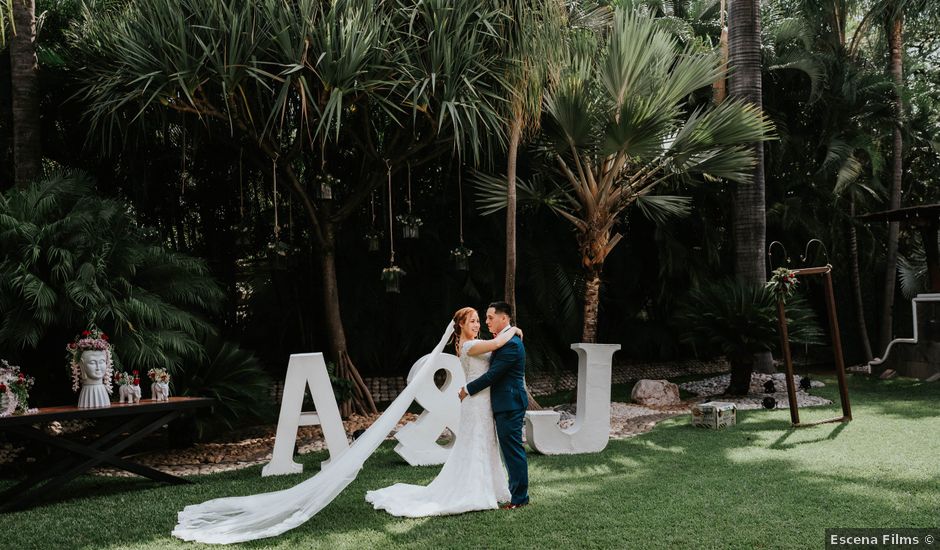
x=460 y=318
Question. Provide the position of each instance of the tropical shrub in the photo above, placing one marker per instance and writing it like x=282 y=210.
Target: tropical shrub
x=740 y=320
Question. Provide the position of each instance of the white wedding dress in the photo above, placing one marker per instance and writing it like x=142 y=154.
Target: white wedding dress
x=472 y=478
x=239 y=519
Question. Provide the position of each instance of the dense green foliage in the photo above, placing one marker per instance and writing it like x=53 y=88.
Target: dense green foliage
x=70 y=258
x=740 y=320
x=202 y=185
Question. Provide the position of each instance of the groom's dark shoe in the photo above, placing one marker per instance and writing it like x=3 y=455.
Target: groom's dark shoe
x=511 y=506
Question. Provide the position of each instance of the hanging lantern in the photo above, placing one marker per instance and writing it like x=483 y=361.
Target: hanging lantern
x=461 y=256
x=409 y=225
x=374 y=240
x=392 y=278
x=324 y=186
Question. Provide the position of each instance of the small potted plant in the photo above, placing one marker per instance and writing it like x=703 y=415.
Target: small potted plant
x=461 y=256
x=409 y=225
x=374 y=239
x=160 y=386
x=14 y=390
x=392 y=277
x=324 y=186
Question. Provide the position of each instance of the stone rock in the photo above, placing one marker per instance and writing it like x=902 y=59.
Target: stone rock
x=655 y=392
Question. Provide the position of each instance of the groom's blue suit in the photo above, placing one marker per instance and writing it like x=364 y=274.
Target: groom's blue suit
x=506 y=380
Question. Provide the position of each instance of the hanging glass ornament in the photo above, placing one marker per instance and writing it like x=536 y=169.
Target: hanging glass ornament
x=461 y=256
x=391 y=276
x=324 y=186
x=374 y=239
x=409 y=225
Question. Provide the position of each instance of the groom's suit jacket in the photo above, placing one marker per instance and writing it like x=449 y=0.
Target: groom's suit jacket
x=505 y=378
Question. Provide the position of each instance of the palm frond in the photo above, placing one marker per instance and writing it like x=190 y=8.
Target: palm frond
x=662 y=208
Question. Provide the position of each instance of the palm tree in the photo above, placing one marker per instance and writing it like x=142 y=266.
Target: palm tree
x=739 y=320
x=532 y=44
x=534 y=47
x=619 y=123
x=749 y=220
x=24 y=69
x=838 y=153
x=353 y=88
x=891 y=13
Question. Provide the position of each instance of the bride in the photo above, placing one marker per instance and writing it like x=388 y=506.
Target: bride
x=472 y=477
x=238 y=519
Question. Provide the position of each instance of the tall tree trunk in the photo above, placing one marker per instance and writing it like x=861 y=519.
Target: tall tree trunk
x=720 y=87
x=324 y=230
x=24 y=67
x=750 y=223
x=592 y=293
x=896 y=68
x=515 y=135
x=741 y=370
x=362 y=402
x=857 y=285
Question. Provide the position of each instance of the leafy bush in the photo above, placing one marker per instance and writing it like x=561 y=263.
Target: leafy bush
x=740 y=320
x=235 y=379
x=70 y=258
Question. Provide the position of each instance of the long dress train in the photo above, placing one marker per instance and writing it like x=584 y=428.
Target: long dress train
x=472 y=478
x=239 y=519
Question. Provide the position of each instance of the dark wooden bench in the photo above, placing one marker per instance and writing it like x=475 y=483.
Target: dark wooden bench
x=134 y=422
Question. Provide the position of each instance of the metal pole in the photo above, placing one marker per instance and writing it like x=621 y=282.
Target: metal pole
x=788 y=361
x=837 y=347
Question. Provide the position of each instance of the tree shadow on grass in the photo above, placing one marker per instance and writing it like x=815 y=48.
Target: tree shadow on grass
x=781 y=442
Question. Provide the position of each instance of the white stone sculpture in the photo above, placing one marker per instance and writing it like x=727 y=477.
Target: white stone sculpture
x=657 y=393
x=417 y=441
x=160 y=391
x=129 y=393
x=306 y=370
x=90 y=362
x=94 y=366
x=591 y=429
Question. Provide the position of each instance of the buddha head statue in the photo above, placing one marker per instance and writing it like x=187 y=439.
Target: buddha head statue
x=90 y=359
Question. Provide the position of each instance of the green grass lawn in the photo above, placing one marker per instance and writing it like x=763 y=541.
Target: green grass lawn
x=760 y=484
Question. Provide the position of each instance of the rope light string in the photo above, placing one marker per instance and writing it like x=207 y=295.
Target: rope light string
x=372 y=208
x=183 y=164
x=241 y=186
x=391 y=219
x=409 y=187
x=277 y=228
x=460 y=197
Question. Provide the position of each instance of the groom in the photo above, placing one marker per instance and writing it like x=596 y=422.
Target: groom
x=506 y=380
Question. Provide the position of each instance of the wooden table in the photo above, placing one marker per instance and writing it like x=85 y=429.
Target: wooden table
x=136 y=421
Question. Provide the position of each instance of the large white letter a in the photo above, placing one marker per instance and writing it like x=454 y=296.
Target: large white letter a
x=303 y=370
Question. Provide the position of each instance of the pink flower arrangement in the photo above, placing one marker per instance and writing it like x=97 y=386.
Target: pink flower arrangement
x=159 y=375
x=127 y=378
x=14 y=390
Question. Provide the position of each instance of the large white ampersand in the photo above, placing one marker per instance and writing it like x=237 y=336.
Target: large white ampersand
x=417 y=442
